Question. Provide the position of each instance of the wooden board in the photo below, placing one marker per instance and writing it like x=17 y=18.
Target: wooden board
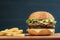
x=52 y=37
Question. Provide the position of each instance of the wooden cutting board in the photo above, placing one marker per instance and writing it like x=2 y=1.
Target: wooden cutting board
x=52 y=37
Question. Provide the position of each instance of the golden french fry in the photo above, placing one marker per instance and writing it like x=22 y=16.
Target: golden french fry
x=19 y=35
x=13 y=29
x=8 y=34
x=2 y=33
x=12 y=32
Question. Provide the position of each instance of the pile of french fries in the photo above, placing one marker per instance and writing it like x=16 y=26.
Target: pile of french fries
x=12 y=32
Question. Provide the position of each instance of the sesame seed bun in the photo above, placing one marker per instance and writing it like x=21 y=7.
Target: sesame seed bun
x=41 y=15
x=41 y=31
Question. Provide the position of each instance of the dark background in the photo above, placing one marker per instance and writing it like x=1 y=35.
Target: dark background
x=13 y=13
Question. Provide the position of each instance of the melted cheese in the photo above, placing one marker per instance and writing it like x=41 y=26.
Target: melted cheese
x=38 y=30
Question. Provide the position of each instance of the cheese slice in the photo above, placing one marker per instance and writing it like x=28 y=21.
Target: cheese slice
x=38 y=30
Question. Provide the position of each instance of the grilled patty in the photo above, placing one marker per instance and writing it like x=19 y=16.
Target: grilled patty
x=40 y=25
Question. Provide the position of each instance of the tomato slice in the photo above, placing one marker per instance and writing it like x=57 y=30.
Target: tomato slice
x=51 y=23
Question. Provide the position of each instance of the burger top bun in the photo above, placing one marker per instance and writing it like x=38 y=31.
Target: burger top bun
x=41 y=15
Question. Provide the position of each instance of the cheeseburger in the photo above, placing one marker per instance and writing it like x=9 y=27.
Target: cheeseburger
x=41 y=23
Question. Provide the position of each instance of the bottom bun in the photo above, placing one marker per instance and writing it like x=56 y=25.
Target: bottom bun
x=41 y=31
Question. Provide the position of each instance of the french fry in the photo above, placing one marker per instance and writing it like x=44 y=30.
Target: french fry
x=12 y=32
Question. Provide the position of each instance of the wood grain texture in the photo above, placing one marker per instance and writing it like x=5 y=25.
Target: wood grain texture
x=52 y=37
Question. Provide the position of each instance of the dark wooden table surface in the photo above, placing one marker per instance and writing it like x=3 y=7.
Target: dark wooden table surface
x=52 y=37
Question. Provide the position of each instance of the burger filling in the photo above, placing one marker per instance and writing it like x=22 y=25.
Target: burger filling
x=38 y=30
x=47 y=23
